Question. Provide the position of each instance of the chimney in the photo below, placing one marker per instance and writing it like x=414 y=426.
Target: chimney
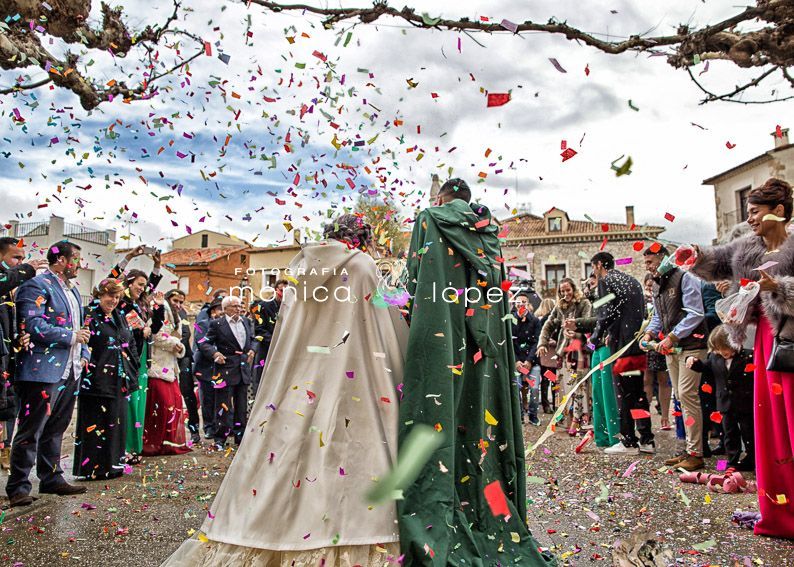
x=296 y=235
x=629 y=215
x=782 y=139
x=435 y=187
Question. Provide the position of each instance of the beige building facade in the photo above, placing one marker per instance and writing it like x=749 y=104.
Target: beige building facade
x=207 y=239
x=732 y=186
x=551 y=247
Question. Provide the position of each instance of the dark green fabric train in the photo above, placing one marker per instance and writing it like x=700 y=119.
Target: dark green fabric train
x=460 y=365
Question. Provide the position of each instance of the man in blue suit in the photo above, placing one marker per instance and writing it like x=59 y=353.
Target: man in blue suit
x=48 y=308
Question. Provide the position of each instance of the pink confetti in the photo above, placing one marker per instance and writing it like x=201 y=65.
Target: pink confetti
x=557 y=65
x=628 y=472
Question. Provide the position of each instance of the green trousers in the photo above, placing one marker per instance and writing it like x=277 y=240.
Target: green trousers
x=606 y=420
x=136 y=407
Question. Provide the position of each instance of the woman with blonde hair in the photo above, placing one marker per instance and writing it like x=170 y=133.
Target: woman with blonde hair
x=569 y=349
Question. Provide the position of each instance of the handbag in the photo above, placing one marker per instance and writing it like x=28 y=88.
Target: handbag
x=781 y=359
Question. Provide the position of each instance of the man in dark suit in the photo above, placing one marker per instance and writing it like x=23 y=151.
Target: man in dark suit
x=229 y=344
x=203 y=367
x=13 y=272
x=48 y=306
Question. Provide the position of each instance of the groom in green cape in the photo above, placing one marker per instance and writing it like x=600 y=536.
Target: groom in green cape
x=468 y=505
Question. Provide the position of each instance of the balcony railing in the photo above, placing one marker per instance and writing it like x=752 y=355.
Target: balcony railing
x=25 y=229
x=86 y=234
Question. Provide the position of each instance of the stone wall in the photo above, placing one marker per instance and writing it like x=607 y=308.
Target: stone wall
x=568 y=255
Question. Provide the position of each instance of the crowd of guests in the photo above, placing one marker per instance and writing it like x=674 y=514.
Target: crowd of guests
x=138 y=370
x=129 y=361
x=727 y=382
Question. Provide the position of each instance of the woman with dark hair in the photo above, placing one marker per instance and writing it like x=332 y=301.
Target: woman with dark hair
x=110 y=375
x=338 y=429
x=767 y=257
x=570 y=350
x=144 y=321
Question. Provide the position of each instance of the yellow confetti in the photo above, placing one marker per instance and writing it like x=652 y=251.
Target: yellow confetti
x=515 y=537
x=202 y=538
x=490 y=419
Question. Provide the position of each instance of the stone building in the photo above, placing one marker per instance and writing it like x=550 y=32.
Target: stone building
x=553 y=246
x=207 y=239
x=732 y=186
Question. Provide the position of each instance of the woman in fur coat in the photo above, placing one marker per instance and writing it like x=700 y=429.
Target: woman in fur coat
x=769 y=210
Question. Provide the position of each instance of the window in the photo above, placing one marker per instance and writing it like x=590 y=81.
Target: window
x=184 y=284
x=587 y=267
x=205 y=240
x=742 y=195
x=554 y=273
x=242 y=258
x=555 y=224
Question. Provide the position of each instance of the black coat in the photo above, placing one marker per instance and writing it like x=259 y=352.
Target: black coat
x=10 y=279
x=620 y=319
x=220 y=338
x=733 y=387
x=525 y=337
x=202 y=365
x=112 y=370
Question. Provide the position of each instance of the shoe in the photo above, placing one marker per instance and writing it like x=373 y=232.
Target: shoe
x=621 y=449
x=20 y=500
x=5 y=458
x=648 y=448
x=675 y=460
x=217 y=447
x=745 y=465
x=691 y=463
x=196 y=439
x=719 y=450
x=533 y=420
x=63 y=489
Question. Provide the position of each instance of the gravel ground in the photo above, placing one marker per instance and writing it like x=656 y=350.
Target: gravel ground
x=579 y=506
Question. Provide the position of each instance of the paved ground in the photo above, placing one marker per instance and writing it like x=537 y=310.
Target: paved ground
x=579 y=506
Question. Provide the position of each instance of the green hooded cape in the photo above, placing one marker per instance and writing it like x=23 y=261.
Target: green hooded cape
x=460 y=379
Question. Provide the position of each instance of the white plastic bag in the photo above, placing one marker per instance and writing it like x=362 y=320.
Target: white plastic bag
x=733 y=309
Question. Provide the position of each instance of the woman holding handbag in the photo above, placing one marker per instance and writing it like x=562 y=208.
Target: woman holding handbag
x=765 y=256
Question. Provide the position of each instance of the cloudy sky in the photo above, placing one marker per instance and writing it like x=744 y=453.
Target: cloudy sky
x=246 y=141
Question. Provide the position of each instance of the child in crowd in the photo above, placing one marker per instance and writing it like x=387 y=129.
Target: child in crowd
x=731 y=372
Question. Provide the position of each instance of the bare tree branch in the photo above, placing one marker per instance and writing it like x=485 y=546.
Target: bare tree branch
x=20 y=48
x=729 y=97
x=770 y=45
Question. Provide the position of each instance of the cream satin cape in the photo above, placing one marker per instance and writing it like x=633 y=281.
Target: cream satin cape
x=322 y=430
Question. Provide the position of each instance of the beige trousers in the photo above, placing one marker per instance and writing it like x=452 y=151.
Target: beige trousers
x=686 y=386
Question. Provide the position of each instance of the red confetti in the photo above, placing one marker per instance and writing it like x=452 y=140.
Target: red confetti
x=551 y=376
x=690 y=421
x=669 y=217
x=496 y=499
x=776 y=388
x=729 y=145
x=707 y=388
x=749 y=368
x=498 y=99
x=638 y=246
x=716 y=417
x=568 y=154
x=640 y=414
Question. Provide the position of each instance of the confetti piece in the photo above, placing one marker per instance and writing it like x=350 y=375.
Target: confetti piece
x=497 y=99
x=420 y=444
x=603 y=300
x=640 y=414
x=669 y=217
x=490 y=419
x=497 y=501
x=631 y=106
x=557 y=65
x=708 y=544
x=766 y=265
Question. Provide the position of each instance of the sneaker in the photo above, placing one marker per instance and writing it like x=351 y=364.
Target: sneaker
x=675 y=460
x=621 y=449
x=533 y=420
x=649 y=448
x=691 y=463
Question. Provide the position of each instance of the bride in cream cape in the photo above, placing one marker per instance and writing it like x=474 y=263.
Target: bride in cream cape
x=322 y=431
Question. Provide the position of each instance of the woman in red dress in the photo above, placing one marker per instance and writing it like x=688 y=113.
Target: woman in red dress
x=164 y=428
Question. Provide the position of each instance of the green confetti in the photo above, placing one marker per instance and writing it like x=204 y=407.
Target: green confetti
x=684 y=497
x=631 y=106
x=318 y=349
x=420 y=444
x=603 y=300
x=708 y=544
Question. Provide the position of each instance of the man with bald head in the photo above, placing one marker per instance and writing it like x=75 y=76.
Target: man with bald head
x=229 y=345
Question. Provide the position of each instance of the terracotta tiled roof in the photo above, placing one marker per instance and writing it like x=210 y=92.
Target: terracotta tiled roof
x=527 y=226
x=198 y=256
